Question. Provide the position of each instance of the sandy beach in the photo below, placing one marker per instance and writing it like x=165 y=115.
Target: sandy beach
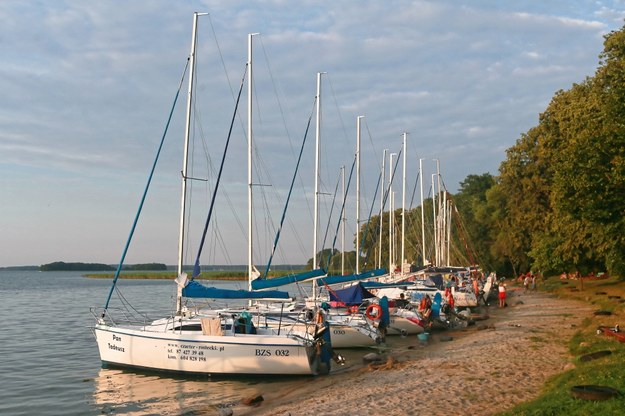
x=485 y=369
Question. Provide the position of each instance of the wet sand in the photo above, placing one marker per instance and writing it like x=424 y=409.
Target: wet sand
x=485 y=369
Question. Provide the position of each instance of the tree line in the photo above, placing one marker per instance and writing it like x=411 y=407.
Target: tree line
x=558 y=202
x=92 y=267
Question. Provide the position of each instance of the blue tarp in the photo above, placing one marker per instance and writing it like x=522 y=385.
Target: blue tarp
x=436 y=280
x=194 y=289
x=385 y=319
x=380 y=285
x=352 y=295
x=331 y=280
x=259 y=284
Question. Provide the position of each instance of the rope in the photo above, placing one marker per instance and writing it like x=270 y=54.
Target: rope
x=299 y=159
x=145 y=191
x=196 y=267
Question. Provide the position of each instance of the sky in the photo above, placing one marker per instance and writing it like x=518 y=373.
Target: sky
x=87 y=88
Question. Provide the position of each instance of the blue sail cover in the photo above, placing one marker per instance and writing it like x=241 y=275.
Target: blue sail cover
x=194 y=289
x=331 y=280
x=352 y=295
x=259 y=283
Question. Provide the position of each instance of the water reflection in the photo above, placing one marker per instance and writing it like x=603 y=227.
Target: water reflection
x=130 y=393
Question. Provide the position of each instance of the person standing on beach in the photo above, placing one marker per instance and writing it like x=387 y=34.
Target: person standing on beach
x=527 y=280
x=533 y=283
x=502 y=295
x=476 y=287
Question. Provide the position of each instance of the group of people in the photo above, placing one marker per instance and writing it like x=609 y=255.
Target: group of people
x=529 y=282
x=571 y=275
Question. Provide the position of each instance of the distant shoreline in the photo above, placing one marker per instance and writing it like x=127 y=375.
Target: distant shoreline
x=166 y=275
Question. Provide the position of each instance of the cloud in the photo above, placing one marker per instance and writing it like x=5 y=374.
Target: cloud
x=87 y=89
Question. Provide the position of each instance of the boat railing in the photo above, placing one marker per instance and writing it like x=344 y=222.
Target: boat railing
x=119 y=316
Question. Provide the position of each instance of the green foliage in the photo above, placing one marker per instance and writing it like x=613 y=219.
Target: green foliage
x=559 y=202
x=147 y=267
x=64 y=267
x=324 y=258
x=607 y=371
x=476 y=220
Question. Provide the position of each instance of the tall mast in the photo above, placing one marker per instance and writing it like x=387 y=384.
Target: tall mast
x=359 y=119
x=440 y=208
x=317 y=151
x=390 y=213
x=448 y=232
x=435 y=263
x=403 y=208
x=316 y=209
x=393 y=234
x=382 y=205
x=443 y=216
x=343 y=224
x=422 y=213
x=185 y=160
x=187 y=134
x=250 y=205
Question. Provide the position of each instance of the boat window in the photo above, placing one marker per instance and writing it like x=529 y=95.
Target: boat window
x=190 y=327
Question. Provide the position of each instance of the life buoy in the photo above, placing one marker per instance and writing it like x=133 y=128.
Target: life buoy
x=352 y=309
x=370 y=314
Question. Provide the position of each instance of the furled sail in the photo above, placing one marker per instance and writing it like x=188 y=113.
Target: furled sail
x=194 y=289
x=331 y=280
x=260 y=284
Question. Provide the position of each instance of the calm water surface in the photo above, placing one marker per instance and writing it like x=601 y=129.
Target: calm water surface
x=50 y=363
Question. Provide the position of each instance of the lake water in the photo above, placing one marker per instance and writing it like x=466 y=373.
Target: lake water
x=50 y=363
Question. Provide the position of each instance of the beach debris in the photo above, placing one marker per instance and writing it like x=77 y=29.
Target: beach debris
x=390 y=363
x=603 y=312
x=252 y=400
x=465 y=314
x=372 y=357
x=591 y=392
x=225 y=411
x=594 y=355
x=614 y=332
x=445 y=338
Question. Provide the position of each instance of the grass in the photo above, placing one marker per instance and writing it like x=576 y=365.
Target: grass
x=606 y=371
x=208 y=275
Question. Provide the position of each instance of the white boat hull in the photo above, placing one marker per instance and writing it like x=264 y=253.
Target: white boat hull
x=400 y=325
x=342 y=334
x=347 y=336
x=204 y=354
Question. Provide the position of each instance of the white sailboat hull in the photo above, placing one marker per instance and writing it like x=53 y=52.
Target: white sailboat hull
x=404 y=325
x=343 y=334
x=204 y=354
x=347 y=336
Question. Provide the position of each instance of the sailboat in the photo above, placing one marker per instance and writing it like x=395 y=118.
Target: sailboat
x=347 y=331
x=194 y=341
